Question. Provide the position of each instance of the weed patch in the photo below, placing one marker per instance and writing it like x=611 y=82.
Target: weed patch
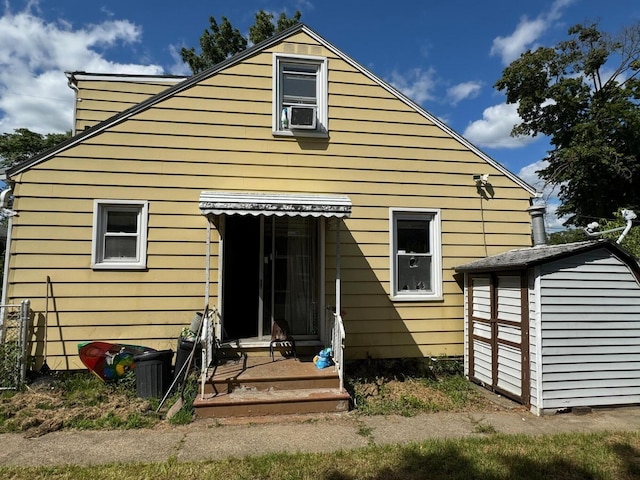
x=78 y=401
x=410 y=387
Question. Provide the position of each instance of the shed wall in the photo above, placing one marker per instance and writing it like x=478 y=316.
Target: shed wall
x=590 y=333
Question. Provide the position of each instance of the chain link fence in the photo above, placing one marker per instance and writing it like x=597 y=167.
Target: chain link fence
x=13 y=344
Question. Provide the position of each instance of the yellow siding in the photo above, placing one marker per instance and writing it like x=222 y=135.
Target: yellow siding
x=100 y=98
x=217 y=135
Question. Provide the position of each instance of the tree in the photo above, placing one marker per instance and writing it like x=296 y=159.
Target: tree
x=592 y=117
x=220 y=42
x=23 y=144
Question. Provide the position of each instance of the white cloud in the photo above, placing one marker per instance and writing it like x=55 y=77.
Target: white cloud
x=548 y=194
x=178 y=67
x=527 y=33
x=33 y=89
x=417 y=84
x=463 y=91
x=494 y=130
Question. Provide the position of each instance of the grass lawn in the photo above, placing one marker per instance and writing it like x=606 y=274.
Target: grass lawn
x=605 y=456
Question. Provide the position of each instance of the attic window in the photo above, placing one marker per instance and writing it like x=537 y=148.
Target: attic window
x=119 y=234
x=300 y=95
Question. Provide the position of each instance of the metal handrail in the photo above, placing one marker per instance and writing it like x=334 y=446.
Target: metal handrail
x=337 y=344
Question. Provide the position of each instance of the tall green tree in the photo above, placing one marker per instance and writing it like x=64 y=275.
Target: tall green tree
x=23 y=144
x=583 y=93
x=221 y=41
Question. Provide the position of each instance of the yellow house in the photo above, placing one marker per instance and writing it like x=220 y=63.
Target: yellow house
x=285 y=182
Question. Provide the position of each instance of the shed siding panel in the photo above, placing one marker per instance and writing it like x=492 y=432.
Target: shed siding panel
x=381 y=153
x=590 y=341
x=534 y=361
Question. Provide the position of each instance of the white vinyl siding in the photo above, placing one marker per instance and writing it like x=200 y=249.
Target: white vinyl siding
x=590 y=332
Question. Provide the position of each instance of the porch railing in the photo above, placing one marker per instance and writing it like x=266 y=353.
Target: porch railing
x=14 y=325
x=209 y=344
x=337 y=342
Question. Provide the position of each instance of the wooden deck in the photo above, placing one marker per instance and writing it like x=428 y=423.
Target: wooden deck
x=256 y=386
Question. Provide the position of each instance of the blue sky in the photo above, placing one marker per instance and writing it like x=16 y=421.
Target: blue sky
x=444 y=55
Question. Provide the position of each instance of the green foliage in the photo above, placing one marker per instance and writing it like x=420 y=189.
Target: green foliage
x=221 y=41
x=185 y=414
x=567 y=236
x=23 y=144
x=264 y=27
x=9 y=367
x=593 y=120
x=631 y=241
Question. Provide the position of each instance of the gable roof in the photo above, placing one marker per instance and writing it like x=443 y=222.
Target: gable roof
x=531 y=256
x=190 y=81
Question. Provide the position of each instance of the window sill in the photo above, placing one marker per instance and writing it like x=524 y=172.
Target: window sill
x=416 y=298
x=118 y=266
x=301 y=133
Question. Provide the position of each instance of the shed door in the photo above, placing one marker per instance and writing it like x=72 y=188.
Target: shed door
x=499 y=334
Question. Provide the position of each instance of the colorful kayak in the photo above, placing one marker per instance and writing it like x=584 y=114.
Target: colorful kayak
x=109 y=361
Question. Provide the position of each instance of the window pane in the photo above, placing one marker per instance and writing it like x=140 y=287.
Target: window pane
x=298 y=86
x=122 y=222
x=413 y=236
x=120 y=247
x=414 y=273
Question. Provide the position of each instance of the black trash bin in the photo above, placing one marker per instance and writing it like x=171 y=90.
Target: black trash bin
x=185 y=347
x=153 y=373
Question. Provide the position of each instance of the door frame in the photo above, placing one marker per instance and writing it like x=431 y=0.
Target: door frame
x=321 y=251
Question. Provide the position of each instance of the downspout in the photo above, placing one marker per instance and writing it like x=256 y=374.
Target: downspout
x=338 y=287
x=207 y=270
x=73 y=86
x=4 y=196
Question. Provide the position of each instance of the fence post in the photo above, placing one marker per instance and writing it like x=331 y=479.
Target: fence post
x=25 y=309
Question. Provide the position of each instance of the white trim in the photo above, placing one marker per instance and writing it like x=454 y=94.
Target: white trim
x=279 y=204
x=97 y=243
x=322 y=95
x=435 y=233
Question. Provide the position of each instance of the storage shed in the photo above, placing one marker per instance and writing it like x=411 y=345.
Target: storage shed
x=555 y=326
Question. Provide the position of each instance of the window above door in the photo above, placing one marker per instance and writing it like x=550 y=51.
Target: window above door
x=300 y=96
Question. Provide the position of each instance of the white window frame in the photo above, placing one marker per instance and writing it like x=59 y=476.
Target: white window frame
x=322 y=96
x=100 y=211
x=435 y=241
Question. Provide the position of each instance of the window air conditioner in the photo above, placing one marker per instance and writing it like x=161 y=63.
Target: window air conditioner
x=302 y=117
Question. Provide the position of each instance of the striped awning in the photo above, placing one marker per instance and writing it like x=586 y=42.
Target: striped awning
x=279 y=204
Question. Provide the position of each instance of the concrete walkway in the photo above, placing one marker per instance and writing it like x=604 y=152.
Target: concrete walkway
x=210 y=440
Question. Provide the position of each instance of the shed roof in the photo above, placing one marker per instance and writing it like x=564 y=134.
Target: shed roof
x=527 y=257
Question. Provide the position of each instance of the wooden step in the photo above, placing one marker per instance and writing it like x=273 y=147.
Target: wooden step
x=249 y=402
x=257 y=385
x=261 y=373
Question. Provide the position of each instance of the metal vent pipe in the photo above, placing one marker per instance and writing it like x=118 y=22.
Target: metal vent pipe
x=537 y=224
